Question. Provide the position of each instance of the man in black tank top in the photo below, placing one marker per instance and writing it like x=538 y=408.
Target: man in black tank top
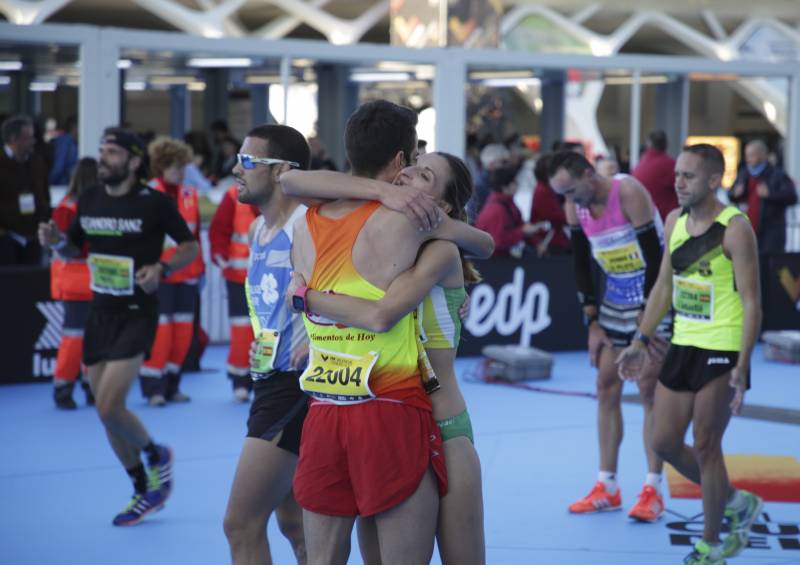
x=124 y=224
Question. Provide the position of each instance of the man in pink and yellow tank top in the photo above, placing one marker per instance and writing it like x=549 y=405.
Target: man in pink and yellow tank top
x=613 y=223
x=370 y=446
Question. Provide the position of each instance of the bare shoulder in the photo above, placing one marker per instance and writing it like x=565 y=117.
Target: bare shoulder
x=632 y=191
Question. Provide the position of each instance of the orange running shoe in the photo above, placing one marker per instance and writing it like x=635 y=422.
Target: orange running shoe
x=649 y=507
x=598 y=500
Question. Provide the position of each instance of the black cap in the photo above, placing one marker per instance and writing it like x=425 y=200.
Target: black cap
x=125 y=138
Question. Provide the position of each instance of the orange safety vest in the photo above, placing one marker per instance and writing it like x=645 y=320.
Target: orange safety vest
x=69 y=278
x=239 y=247
x=189 y=209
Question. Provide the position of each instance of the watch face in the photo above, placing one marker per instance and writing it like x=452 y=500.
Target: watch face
x=298 y=303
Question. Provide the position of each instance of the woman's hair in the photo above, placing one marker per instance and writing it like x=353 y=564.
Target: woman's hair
x=165 y=152
x=83 y=176
x=457 y=192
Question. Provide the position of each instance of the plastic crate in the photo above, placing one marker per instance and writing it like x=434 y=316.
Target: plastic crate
x=517 y=362
x=782 y=346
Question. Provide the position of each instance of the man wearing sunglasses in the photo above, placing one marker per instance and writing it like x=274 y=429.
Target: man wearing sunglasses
x=263 y=481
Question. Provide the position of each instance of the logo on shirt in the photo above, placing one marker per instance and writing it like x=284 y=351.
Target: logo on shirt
x=704 y=268
x=94 y=225
x=269 y=288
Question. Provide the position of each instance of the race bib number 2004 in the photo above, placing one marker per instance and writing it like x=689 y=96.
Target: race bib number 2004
x=338 y=377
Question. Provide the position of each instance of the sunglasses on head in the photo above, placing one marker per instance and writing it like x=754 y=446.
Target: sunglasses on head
x=250 y=162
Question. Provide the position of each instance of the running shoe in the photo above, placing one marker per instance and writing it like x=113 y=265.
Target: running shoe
x=159 y=474
x=649 y=507
x=704 y=554
x=739 y=523
x=157 y=400
x=241 y=394
x=178 y=397
x=140 y=506
x=598 y=500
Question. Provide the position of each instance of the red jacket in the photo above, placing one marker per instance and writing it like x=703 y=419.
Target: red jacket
x=186 y=199
x=227 y=234
x=547 y=207
x=501 y=218
x=69 y=278
x=656 y=171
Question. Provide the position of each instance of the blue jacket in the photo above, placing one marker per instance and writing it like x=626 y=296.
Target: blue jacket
x=65 y=155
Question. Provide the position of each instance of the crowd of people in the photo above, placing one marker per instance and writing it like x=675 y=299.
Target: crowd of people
x=346 y=293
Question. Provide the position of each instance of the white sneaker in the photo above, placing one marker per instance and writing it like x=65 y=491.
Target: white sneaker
x=157 y=400
x=241 y=394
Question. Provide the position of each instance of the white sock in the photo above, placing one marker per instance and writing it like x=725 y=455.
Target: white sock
x=609 y=480
x=654 y=480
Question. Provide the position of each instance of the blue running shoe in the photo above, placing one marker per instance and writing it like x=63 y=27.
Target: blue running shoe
x=140 y=506
x=160 y=472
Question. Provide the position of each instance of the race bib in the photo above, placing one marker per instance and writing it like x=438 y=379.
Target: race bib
x=338 y=377
x=693 y=299
x=111 y=274
x=626 y=258
x=27 y=205
x=266 y=352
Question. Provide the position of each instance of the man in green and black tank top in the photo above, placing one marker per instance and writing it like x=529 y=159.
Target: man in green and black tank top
x=710 y=278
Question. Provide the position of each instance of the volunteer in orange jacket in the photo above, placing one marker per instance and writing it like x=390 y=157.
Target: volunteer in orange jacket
x=178 y=293
x=69 y=283
x=229 y=251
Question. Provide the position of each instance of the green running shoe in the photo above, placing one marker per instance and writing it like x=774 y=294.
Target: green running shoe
x=704 y=554
x=740 y=520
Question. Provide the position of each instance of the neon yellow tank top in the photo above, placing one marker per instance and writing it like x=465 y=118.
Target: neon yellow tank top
x=708 y=309
x=349 y=365
x=441 y=325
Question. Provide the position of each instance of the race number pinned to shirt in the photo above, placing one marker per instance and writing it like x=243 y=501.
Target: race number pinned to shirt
x=338 y=377
x=27 y=205
x=621 y=259
x=111 y=274
x=266 y=351
x=693 y=299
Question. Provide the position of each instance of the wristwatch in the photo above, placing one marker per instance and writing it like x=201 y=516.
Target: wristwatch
x=638 y=335
x=299 y=299
x=165 y=270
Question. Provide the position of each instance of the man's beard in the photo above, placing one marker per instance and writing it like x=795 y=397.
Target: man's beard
x=111 y=176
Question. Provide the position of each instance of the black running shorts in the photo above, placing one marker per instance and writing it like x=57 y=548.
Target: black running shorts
x=113 y=334
x=278 y=405
x=689 y=369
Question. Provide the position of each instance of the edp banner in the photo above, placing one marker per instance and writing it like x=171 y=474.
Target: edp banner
x=780 y=291
x=31 y=325
x=525 y=302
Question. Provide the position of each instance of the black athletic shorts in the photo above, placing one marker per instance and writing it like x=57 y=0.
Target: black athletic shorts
x=113 y=334
x=278 y=405
x=688 y=368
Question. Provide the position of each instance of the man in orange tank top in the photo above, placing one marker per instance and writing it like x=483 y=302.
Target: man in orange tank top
x=381 y=456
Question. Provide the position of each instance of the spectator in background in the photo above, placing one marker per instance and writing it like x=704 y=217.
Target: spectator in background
x=69 y=283
x=65 y=153
x=24 y=194
x=547 y=207
x=160 y=374
x=764 y=191
x=196 y=173
x=656 y=171
x=230 y=250
x=493 y=156
x=422 y=147
x=228 y=151
x=218 y=132
x=606 y=167
x=500 y=216
x=472 y=157
x=320 y=160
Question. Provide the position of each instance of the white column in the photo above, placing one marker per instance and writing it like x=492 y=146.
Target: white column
x=792 y=156
x=636 y=117
x=449 y=101
x=99 y=92
x=285 y=69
